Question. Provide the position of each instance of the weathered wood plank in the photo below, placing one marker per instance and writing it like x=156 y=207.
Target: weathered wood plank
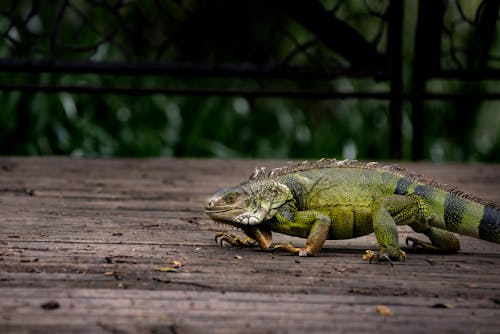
x=234 y=311
x=90 y=235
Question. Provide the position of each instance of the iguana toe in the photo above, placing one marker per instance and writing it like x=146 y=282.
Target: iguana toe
x=415 y=243
x=290 y=249
x=450 y=245
x=382 y=256
x=234 y=240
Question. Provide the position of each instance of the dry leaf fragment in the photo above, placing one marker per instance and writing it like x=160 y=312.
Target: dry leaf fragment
x=385 y=311
x=167 y=269
x=109 y=273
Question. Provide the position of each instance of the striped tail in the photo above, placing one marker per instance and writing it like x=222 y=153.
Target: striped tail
x=454 y=210
x=466 y=214
x=489 y=226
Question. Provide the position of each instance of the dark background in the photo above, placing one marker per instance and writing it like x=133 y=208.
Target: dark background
x=266 y=79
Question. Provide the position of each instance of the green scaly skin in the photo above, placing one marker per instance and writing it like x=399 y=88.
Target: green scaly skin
x=331 y=199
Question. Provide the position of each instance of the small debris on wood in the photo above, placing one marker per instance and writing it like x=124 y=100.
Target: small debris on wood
x=443 y=305
x=51 y=305
x=110 y=328
x=400 y=293
x=171 y=269
x=385 y=311
x=429 y=261
x=114 y=274
x=495 y=300
x=148 y=225
x=29 y=260
x=364 y=291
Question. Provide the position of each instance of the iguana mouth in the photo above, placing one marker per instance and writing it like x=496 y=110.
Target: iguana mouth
x=222 y=222
x=216 y=210
x=210 y=211
x=223 y=215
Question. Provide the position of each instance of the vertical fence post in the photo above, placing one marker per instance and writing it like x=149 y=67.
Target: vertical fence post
x=395 y=66
x=426 y=60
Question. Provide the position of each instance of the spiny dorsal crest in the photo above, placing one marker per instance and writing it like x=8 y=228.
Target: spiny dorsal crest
x=262 y=173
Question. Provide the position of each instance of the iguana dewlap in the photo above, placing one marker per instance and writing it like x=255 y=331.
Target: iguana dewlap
x=331 y=199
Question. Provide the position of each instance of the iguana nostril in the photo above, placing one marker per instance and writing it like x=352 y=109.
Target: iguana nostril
x=209 y=204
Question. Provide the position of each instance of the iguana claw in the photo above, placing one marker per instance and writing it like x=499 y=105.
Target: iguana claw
x=419 y=243
x=383 y=256
x=290 y=249
x=414 y=242
x=234 y=240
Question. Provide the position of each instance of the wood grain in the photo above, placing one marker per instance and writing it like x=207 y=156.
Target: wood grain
x=81 y=242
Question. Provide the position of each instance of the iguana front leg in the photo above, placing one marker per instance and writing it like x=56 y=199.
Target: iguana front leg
x=387 y=213
x=233 y=240
x=254 y=236
x=317 y=223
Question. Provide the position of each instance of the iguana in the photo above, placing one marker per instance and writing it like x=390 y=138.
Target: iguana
x=331 y=199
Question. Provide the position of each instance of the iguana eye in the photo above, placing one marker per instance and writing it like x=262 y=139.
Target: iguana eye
x=230 y=197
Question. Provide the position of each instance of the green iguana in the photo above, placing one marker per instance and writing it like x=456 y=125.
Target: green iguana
x=331 y=199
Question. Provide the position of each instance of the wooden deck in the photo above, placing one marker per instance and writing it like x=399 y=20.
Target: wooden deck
x=82 y=243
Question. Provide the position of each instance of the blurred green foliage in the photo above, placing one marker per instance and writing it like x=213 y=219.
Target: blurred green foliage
x=83 y=125
x=214 y=32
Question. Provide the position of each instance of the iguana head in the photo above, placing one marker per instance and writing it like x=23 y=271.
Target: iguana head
x=247 y=204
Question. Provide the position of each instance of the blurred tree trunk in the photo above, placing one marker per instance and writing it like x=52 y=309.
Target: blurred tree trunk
x=479 y=47
x=426 y=60
x=395 y=66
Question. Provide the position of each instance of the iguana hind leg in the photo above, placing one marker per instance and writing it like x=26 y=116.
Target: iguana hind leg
x=441 y=240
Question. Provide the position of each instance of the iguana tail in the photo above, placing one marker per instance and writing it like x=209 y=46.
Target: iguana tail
x=469 y=217
x=489 y=225
x=454 y=210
